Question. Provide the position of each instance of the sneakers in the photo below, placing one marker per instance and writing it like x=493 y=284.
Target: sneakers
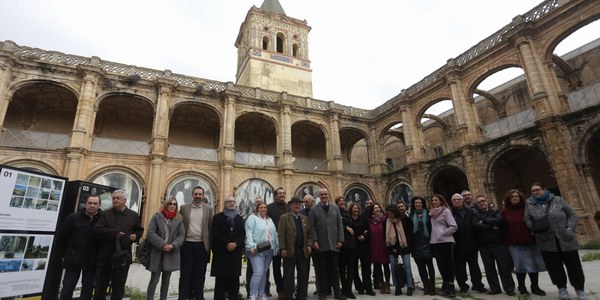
x=563 y=294
x=581 y=295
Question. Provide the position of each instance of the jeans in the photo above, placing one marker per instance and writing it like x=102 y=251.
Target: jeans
x=164 y=285
x=407 y=269
x=260 y=263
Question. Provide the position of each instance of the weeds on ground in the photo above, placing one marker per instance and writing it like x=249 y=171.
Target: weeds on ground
x=591 y=257
x=134 y=293
x=591 y=245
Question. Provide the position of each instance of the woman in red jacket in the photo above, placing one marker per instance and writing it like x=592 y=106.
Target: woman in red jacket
x=521 y=243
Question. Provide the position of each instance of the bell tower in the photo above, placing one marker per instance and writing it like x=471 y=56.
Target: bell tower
x=273 y=51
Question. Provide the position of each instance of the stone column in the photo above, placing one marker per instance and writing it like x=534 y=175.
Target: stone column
x=158 y=148
x=412 y=136
x=228 y=132
x=465 y=112
x=5 y=79
x=540 y=79
x=375 y=153
x=335 y=151
x=473 y=163
x=83 y=126
x=286 y=138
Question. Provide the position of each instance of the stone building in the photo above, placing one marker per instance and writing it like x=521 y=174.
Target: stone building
x=156 y=133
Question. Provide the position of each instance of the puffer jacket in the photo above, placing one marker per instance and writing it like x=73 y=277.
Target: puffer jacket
x=563 y=223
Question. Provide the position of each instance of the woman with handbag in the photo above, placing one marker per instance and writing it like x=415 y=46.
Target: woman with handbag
x=558 y=242
x=166 y=233
x=396 y=242
x=525 y=254
x=261 y=245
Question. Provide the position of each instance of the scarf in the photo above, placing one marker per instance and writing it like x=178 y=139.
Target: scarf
x=424 y=220
x=377 y=218
x=168 y=214
x=393 y=230
x=435 y=212
x=230 y=213
x=541 y=199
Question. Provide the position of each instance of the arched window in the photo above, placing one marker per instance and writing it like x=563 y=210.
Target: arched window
x=182 y=187
x=122 y=180
x=265 y=43
x=295 y=50
x=280 y=42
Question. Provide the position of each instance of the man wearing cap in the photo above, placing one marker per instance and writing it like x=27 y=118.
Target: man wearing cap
x=295 y=240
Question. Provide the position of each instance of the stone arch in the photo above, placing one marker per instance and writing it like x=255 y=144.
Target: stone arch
x=426 y=105
x=358 y=192
x=309 y=188
x=103 y=97
x=248 y=190
x=194 y=124
x=113 y=109
x=126 y=178
x=256 y=132
x=41 y=166
x=17 y=85
x=309 y=146
x=447 y=180
x=280 y=43
x=181 y=184
x=588 y=157
x=213 y=108
x=355 y=149
x=566 y=32
x=517 y=167
x=392 y=140
x=42 y=105
x=400 y=190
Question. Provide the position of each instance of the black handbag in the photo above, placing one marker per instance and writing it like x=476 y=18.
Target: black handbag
x=400 y=275
x=542 y=224
x=122 y=257
x=263 y=246
x=142 y=253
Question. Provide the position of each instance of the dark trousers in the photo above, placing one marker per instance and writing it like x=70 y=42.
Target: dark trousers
x=493 y=255
x=277 y=273
x=445 y=260
x=249 y=277
x=556 y=262
x=365 y=283
x=379 y=272
x=229 y=285
x=299 y=264
x=347 y=265
x=194 y=259
x=70 y=281
x=327 y=272
x=426 y=270
x=460 y=269
x=115 y=275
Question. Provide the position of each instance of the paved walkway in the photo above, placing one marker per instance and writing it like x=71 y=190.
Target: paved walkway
x=139 y=278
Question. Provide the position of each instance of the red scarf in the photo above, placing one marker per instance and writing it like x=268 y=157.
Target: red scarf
x=169 y=214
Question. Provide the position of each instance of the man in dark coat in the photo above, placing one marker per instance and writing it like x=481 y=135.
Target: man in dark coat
x=328 y=233
x=465 y=249
x=276 y=210
x=117 y=228
x=228 y=236
x=295 y=242
x=77 y=246
x=489 y=227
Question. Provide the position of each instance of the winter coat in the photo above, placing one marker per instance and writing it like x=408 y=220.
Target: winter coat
x=157 y=231
x=421 y=246
x=327 y=228
x=350 y=242
x=517 y=232
x=361 y=227
x=76 y=241
x=443 y=227
x=464 y=236
x=227 y=263
x=407 y=225
x=379 y=252
x=491 y=230
x=109 y=224
x=256 y=233
x=563 y=223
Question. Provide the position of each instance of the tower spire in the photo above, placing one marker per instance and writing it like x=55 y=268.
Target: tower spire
x=272 y=6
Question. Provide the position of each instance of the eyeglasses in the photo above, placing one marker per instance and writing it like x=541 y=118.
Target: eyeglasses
x=175 y=204
x=536 y=190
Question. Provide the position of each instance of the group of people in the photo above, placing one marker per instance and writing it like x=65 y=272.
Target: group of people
x=366 y=247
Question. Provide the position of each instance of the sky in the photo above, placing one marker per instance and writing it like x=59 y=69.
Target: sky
x=362 y=53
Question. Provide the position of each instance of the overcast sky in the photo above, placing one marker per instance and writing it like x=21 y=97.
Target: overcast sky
x=362 y=53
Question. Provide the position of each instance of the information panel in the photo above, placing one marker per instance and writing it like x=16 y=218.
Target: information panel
x=30 y=203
